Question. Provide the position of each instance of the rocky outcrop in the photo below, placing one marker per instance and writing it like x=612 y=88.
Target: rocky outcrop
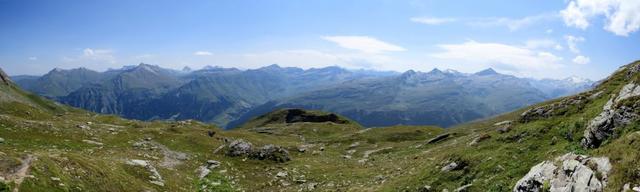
x=271 y=152
x=614 y=115
x=569 y=172
x=4 y=78
x=268 y=152
x=554 y=109
x=439 y=138
x=154 y=176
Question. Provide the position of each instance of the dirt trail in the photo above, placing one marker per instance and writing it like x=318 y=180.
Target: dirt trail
x=21 y=172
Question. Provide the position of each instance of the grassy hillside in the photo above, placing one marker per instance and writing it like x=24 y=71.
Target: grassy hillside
x=48 y=147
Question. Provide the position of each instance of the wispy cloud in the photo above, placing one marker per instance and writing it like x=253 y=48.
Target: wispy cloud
x=580 y=59
x=572 y=43
x=93 y=55
x=364 y=44
x=513 y=58
x=202 y=53
x=543 y=44
x=622 y=17
x=432 y=20
x=513 y=24
x=33 y=58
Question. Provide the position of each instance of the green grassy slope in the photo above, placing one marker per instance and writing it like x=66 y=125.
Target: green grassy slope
x=58 y=145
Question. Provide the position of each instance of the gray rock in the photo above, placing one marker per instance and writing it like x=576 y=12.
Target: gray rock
x=203 y=171
x=452 y=166
x=212 y=164
x=439 y=138
x=463 y=188
x=282 y=174
x=574 y=174
x=239 y=148
x=271 y=152
x=425 y=188
x=1 y=140
x=534 y=180
x=611 y=118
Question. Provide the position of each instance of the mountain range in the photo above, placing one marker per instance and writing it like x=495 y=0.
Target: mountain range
x=582 y=142
x=229 y=97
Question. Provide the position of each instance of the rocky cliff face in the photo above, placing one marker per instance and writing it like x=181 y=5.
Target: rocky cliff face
x=4 y=78
x=616 y=113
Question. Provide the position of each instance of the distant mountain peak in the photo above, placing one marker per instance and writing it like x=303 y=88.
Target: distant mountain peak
x=577 y=80
x=272 y=66
x=409 y=73
x=488 y=71
x=186 y=69
x=435 y=71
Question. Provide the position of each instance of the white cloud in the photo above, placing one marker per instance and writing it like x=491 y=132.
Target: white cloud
x=622 y=16
x=511 y=23
x=548 y=31
x=542 y=43
x=96 y=55
x=581 y=60
x=313 y=58
x=91 y=56
x=364 y=44
x=33 y=58
x=518 y=60
x=572 y=43
x=432 y=20
x=202 y=53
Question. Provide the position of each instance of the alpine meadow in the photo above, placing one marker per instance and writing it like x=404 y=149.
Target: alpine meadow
x=407 y=96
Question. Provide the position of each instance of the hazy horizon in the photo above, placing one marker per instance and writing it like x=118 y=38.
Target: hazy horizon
x=540 y=39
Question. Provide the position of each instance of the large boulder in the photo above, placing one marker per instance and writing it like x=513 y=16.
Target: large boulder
x=569 y=172
x=271 y=152
x=239 y=148
x=615 y=113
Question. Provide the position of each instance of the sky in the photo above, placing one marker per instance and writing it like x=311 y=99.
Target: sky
x=526 y=38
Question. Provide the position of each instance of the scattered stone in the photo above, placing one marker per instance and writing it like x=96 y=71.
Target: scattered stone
x=504 y=129
x=479 y=139
x=83 y=127
x=212 y=164
x=502 y=123
x=55 y=179
x=1 y=140
x=354 y=145
x=369 y=152
x=203 y=171
x=93 y=142
x=219 y=148
x=463 y=188
x=155 y=177
x=304 y=148
x=452 y=166
x=282 y=174
x=438 y=138
x=426 y=188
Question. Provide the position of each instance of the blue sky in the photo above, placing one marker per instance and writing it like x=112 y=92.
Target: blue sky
x=535 y=38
